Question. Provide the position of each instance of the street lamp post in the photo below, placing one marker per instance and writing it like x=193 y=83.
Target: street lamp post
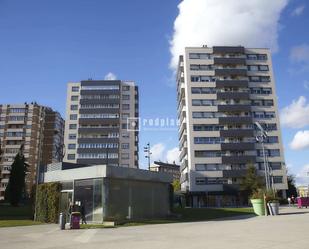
x=261 y=138
x=148 y=154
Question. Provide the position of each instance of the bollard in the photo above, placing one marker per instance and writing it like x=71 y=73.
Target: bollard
x=62 y=221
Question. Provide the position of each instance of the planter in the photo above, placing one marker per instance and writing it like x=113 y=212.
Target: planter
x=258 y=206
x=273 y=208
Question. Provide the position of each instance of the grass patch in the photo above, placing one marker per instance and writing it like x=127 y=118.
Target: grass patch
x=15 y=223
x=185 y=215
x=202 y=214
x=8 y=212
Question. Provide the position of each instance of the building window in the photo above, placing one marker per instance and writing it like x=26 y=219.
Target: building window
x=125 y=135
x=203 y=90
x=124 y=126
x=208 y=140
x=74 y=98
x=208 y=153
x=125 y=146
x=253 y=68
x=125 y=156
x=71 y=156
x=202 y=127
x=125 y=116
x=75 y=89
x=278 y=179
x=272 y=140
x=203 y=102
x=200 y=180
x=104 y=87
x=275 y=165
x=73 y=117
x=72 y=136
x=73 y=126
x=72 y=146
x=202 y=56
x=74 y=107
x=125 y=106
x=125 y=97
x=256 y=56
x=125 y=88
x=263 y=68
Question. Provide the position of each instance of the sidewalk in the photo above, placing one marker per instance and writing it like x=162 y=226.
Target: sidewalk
x=286 y=231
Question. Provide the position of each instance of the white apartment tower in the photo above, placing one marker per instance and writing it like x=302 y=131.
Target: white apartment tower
x=222 y=92
x=99 y=130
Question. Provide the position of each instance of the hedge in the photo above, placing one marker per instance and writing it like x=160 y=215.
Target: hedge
x=47 y=202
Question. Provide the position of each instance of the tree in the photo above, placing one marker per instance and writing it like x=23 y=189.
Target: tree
x=15 y=189
x=291 y=186
x=176 y=185
x=252 y=182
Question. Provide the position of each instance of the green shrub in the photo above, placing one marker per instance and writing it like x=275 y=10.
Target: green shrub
x=47 y=203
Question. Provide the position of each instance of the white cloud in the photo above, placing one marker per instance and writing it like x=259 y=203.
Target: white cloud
x=296 y=115
x=300 y=140
x=298 y=10
x=110 y=76
x=300 y=53
x=172 y=155
x=160 y=153
x=253 y=23
x=302 y=177
x=157 y=151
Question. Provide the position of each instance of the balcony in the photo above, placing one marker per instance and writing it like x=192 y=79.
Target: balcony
x=234 y=108
x=237 y=133
x=98 y=121
x=228 y=49
x=233 y=95
x=183 y=153
x=98 y=140
x=99 y=91
x=98 y=129
x=183 y=165
x=230 y=71
x=99 y=101
x=234 y=173
x=238 y=159
x=240 y=146
x=229 y=61
x=232 y=83
x=235 y=120
x=98 y=110
x=98 y=150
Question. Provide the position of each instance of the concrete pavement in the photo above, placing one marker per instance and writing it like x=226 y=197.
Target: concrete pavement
x=289 y=230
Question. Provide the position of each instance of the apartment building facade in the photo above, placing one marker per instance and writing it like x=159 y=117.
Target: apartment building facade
x=38 y=129
x=102 y=123
x=222 y=92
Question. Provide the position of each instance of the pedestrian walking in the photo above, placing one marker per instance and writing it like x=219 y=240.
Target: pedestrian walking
x=289 y=201
x=83 y=213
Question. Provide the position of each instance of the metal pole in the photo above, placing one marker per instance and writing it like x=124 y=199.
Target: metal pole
x=265 y=166
x=149 y=159
x=148 y=155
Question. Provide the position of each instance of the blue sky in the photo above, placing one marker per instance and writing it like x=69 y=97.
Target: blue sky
x=45 y=44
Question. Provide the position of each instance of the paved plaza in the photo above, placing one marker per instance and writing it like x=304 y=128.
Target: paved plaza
x=289 y=230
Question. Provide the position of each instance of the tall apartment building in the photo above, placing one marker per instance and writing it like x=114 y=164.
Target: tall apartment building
x=222 y=92
x=100 y=118
x=38 y=128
